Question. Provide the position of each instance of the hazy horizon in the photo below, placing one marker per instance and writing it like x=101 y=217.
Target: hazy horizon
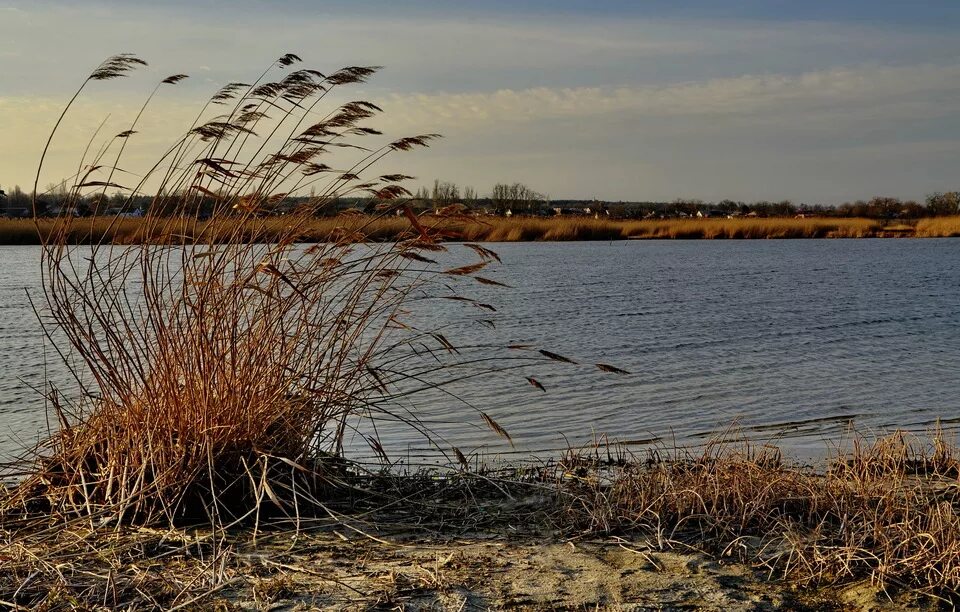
x=816 y=103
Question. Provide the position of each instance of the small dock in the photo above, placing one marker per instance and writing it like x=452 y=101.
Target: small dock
x=900 y=230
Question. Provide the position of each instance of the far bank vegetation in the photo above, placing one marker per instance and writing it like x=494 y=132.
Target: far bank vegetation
x=377 y=228
x=510 y=213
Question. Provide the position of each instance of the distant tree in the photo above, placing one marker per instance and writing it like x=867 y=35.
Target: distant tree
x=518 y=198
x=853 y=209
x=942 y=204
x=884 y=208
x=912 y=210
x=500 y=197
x=687 y=206
x=728 y=206
x=423 y=194
x=444 y=193
x=783 y=208
x=17 y=199
x=98 y=203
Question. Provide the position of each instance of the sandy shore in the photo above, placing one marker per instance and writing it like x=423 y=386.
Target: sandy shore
x=336 y=571
x=732 y=531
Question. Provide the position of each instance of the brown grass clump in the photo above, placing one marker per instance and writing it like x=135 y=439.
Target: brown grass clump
x=887 y=510
x=222 y=364
x=223 y=351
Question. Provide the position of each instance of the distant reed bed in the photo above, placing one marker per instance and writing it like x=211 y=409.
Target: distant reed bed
x=938 y=227
x=268 y=229
x=523 y=229
x=752 y=228
x=379 y=228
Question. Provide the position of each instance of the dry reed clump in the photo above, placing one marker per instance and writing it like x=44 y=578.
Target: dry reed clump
x=888 y=510
x=938 y=227
x=220 y=361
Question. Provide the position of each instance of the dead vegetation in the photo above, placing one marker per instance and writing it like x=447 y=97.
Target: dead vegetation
x=219 y=363
x=887 y=511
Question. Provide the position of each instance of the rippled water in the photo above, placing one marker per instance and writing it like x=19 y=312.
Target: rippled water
x=791 y=340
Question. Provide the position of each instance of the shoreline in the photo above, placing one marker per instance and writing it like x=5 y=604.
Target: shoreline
x=731 y=527
x=364 y=228
x=494 y=571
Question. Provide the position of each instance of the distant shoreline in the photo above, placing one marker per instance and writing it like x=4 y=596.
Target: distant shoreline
x=364 y=228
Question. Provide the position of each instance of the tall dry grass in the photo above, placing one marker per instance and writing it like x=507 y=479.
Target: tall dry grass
x=223 y=353
x=221 y=364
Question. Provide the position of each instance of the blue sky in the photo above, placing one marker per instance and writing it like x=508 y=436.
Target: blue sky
x=749 y=99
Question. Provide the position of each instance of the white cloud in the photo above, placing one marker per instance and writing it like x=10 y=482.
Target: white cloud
x=830 y=91
x=702 y=139
x=618 y=108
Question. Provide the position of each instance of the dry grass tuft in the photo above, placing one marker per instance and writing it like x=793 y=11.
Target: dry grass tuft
x=221 y=363
x=888 y=510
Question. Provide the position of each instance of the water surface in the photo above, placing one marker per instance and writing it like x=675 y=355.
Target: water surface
x=793 y=341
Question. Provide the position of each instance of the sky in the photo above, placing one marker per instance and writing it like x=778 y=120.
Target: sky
x=816 y=102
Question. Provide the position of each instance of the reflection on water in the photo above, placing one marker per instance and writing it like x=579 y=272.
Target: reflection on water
x=795 y=341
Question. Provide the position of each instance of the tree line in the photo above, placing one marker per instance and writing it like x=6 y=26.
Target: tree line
x=517 y=198
x=937 y=204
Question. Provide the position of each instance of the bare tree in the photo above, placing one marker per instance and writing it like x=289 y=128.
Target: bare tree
x=516 y=197
x=445 y=193
x=942 y=204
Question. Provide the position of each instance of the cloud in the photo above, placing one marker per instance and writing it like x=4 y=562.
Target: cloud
x=598 y=103
x=751 y=136
x=826 y=91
